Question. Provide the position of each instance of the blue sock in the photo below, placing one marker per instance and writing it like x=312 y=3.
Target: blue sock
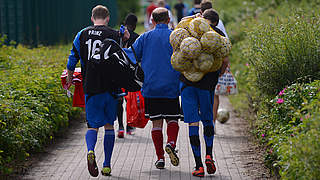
x=195 y=144
x=91 y=139
x=108 y=143
x=208 y=131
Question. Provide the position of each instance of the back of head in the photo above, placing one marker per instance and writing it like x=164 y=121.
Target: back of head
x=197 y=1
x=100 y=12
x=205 y=5
x=160 y=15
x=161 y=3
x=131 y=21
x=211 y=15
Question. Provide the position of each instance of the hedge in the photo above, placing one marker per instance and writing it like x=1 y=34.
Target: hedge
x=33 y=106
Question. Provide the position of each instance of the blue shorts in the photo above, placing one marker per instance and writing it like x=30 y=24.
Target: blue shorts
x=101 y=109
x=197 y=104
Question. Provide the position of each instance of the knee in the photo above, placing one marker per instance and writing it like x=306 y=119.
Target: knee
x=108 y=126
x=157 y=123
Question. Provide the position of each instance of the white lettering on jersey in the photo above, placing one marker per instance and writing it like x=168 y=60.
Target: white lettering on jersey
x=93 y=32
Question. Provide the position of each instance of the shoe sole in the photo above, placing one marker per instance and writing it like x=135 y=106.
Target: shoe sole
x=173 y=157
x=199 y=175
x=159 y=167
x=93 y=165
x=211 y=168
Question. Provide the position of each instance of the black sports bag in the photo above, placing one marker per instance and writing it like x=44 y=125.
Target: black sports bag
x=110 y=69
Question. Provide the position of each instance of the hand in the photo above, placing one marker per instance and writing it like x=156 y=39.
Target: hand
x=69 y=78
x=124 y=33
x=198 y=15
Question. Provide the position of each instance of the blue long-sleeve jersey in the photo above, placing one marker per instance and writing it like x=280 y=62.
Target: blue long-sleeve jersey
x=154 y=51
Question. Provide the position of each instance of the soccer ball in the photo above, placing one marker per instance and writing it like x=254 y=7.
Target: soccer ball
x=211 y=42
x=204 y=62
x=217 y=63
x=225 y=49
x=198 y=26
x=193 y=75
x=190 y=48
x=184 y=23
x=180 y=63
x=177 y=36
x=223 y=115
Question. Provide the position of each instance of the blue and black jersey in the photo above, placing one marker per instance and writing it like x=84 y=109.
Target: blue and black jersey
x=87 y=43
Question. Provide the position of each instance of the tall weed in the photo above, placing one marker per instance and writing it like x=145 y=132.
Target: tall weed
x=285 y=52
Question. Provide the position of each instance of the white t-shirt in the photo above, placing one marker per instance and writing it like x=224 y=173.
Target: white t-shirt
x=221 y=27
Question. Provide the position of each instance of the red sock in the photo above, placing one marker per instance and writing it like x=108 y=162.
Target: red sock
x=157 y=138
x=172 y=132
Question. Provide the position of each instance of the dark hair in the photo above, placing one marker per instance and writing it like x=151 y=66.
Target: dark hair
x=100 y=12
x=197 y=1
x=211 y=15
x=131 y=21
x=162 y=16
x=205 y=5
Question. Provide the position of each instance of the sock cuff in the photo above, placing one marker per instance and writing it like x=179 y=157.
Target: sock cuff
x=92 y=131
x=156 y=129
x=109 y=132
x=173 y=122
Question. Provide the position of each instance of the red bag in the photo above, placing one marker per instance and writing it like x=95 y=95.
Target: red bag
x=135 y=110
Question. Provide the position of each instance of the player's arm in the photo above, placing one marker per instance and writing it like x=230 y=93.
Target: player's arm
x=138 y=47
x=74 y=58
x=224 y=66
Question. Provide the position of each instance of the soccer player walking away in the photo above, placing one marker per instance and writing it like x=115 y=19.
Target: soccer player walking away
x=197 y=103
x=130 y=22
x=101 y=106
x=161 y=85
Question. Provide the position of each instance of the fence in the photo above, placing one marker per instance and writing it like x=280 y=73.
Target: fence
x=47 y=22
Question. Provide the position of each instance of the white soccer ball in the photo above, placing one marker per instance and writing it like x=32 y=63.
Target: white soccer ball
x=211 y=42
x=193 y=75
x=223 y=115
x=177 y=36
x=225 y=49
x=184 y=23
x=204 y=62
x=217 y=63
x=198 y=26
x=190 y=48
x=180 y=63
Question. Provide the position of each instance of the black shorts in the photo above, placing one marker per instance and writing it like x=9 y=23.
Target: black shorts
x=162 y=108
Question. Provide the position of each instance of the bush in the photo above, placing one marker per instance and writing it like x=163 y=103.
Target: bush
x=33 y=105
x=299 y=156
x=285 y=52
x=283 y=118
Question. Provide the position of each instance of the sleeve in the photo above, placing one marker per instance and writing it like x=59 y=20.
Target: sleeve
x=130 y=54
x=221 y=27
x=138 y=47
x=74 y=56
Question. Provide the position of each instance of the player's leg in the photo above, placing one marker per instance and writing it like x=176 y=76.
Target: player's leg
x=190 y=106
x=94 y=114
x=152 y=108
x=157 y=138
x=206 y=114
x=110 y=113
x=120 y=117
